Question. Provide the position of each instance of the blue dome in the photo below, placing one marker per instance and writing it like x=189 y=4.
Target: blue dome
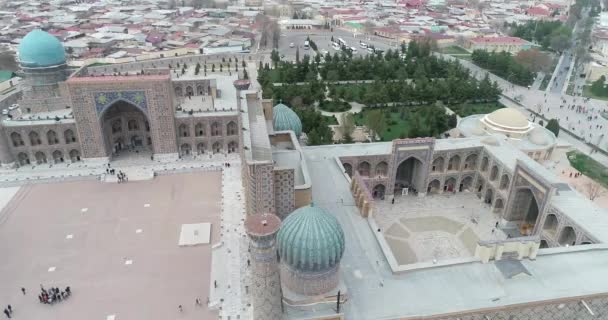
x=283 y=118
x=310 y=240
x=40 y=49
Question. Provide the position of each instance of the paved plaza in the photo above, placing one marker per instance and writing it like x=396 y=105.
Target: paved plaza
x=435 y=228
x=115 y=245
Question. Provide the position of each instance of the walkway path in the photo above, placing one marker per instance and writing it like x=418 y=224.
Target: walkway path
x=229 y=267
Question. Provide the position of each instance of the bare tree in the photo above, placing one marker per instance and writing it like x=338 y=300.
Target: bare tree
x=594 y=190
x=347 y=125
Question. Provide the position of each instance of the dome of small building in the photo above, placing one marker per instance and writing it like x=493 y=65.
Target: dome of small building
x=538 y=136
x=508 y=118
x=478 y=129
x=40 y=49
x=283 y=118
x=310 y=240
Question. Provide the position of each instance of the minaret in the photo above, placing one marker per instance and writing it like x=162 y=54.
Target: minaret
x=266 y=284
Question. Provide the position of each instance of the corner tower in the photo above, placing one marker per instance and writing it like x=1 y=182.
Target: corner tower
x=262 y=230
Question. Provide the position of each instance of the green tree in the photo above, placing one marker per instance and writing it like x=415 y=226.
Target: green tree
x=376 y=122
x=553 y=126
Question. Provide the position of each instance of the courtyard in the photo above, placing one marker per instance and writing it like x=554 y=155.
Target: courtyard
x=435 y=228
x=115 y=245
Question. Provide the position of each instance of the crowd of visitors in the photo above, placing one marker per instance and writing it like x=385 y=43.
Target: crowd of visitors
x=53 y=295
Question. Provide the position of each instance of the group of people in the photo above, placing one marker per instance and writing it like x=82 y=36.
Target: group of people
x=53 y=295
x=8 y=311
x=122 y=177
x=227 y=164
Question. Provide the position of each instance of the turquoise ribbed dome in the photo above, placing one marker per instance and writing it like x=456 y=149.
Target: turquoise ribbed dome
x=283 y=118
x=40 y=49
x=310 y=240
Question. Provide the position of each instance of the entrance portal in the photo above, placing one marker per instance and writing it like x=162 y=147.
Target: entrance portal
x=408 y=175
x=124 y=129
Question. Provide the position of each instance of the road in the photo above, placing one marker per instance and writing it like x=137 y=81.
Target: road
x=561 y=74
x=322 y=39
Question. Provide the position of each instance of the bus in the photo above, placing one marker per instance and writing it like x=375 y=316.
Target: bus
x=306 y=45
x=341 y=42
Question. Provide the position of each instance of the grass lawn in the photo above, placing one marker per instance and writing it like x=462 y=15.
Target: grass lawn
x=589 y=167
x=587 y=93
x=467 y=109
x=395 y=127
x=466 y=57
x=545 y=82
x=454 y=50
x=331 y=120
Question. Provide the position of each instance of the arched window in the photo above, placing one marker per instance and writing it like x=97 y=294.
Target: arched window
x=133 y=125
x=189 y=91
x=215 y=129
x=494 y=173
x=454 y=163
x=23 y=158
x=16 y=139
x=437 y=165
x=185 y=149
x=232 y=146
x=231 y=128
x=200 y=90
x=74 y=155
x=381 y=169
x=34 y=138
x=178 y=91
x=199 y=130
x=504 y=182
x=217 y=147
x=183 y=130
x=51 y=137
x=116 y=126
x=69 y=136
x=364 y=168
x=484 y=164
x=57 y=156
x=200 y=148
x=40 y=157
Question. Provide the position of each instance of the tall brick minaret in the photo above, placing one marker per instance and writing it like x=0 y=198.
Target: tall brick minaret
x=266 y=284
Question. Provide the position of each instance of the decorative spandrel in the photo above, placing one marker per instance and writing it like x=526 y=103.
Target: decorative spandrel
x=103 y=100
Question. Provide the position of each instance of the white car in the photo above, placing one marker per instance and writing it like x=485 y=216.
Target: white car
x=4 y=112
x=363 y=45
x=353 y=50
x=291 y=45
x=370 y=49
x=324 y=52
x=13 y=107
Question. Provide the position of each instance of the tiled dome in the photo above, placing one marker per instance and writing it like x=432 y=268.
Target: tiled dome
x=311 y=240
x=40 y=49
x=283 y=118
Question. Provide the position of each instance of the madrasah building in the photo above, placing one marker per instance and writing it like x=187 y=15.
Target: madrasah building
x=356 y=231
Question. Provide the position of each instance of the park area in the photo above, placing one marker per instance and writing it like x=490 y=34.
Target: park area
x=589 y=167
x=416 y=121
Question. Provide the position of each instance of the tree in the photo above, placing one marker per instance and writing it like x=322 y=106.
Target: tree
x=297 y=54
x=275 y=57
x=560 y=42
x=347 y=126
x=594 y=190
x=534 y=60
x=376 y=122
x=245 y=74
x=553 y=126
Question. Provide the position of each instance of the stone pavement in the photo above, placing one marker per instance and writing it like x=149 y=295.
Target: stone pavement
x=228 y=288
x=139 y=167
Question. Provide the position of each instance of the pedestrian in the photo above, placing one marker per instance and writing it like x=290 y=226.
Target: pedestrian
x=496 y=226
x=10 y=309
x=23 y=290
x=8 y=315
x=393 y=201
x=180 y=308
x=197 y=302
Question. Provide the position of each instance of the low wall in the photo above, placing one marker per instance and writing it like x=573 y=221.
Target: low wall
x=523 y=247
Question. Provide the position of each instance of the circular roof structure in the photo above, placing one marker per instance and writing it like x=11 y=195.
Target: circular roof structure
x=538 y=136
x=38 y=49
x=508 y=118
x=283 y=118
x=311 y=240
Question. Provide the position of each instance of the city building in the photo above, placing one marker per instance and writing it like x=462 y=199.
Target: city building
x=509 y=44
